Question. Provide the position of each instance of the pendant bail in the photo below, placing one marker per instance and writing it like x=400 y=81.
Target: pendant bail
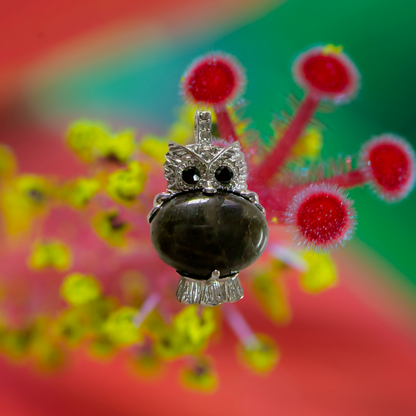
x=203 y=124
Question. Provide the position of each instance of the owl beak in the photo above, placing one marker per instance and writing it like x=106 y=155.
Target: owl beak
x=209 y=189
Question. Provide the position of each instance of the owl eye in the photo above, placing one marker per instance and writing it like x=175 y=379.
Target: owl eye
x=224 y=175
x=191 y=175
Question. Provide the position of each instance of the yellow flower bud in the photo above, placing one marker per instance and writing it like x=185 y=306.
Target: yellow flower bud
x=79 y=289
x=120 y=327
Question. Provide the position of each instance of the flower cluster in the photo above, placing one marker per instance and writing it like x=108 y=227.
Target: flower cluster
x=91 y=278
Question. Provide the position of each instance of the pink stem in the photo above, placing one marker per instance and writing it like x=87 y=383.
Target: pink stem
x=224 y=123
x=239 y=325
x=351 y=179
x=148 y=305
x=276 y=159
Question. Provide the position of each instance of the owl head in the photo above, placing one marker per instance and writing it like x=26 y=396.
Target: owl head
x=205 y=167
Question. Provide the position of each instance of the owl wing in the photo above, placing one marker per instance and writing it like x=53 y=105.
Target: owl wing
x=177 y=158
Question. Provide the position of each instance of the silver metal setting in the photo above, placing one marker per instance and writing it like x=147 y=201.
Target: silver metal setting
x=211 y=292
x=158 y=201
x=207 y=158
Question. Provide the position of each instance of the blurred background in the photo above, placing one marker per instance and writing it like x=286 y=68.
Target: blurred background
x=348 y=351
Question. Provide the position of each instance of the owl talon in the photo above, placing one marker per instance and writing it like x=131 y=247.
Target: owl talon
x=215 y=275
x=211 y=292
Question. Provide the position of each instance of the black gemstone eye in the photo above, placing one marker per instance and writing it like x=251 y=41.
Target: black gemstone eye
x=191 y=175
x=224 y=174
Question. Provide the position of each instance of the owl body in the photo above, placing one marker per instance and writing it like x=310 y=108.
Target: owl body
x=198 y=233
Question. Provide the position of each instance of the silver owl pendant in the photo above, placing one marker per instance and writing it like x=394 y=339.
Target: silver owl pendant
x=207 y=225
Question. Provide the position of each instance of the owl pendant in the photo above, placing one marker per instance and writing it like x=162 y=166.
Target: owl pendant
x=207 y=225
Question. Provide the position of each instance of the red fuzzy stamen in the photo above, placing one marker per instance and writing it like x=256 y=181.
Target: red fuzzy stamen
x=321 y=217
x=391 y=166
x=327 y=76
x=211 y=82
x=326 y=73
x=213 y=79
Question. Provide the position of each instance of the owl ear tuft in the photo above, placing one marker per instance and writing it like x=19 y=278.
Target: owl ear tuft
x=233 y=151
x=173 y=145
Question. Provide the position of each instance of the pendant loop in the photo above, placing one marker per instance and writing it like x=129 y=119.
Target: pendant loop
x=203 y=124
